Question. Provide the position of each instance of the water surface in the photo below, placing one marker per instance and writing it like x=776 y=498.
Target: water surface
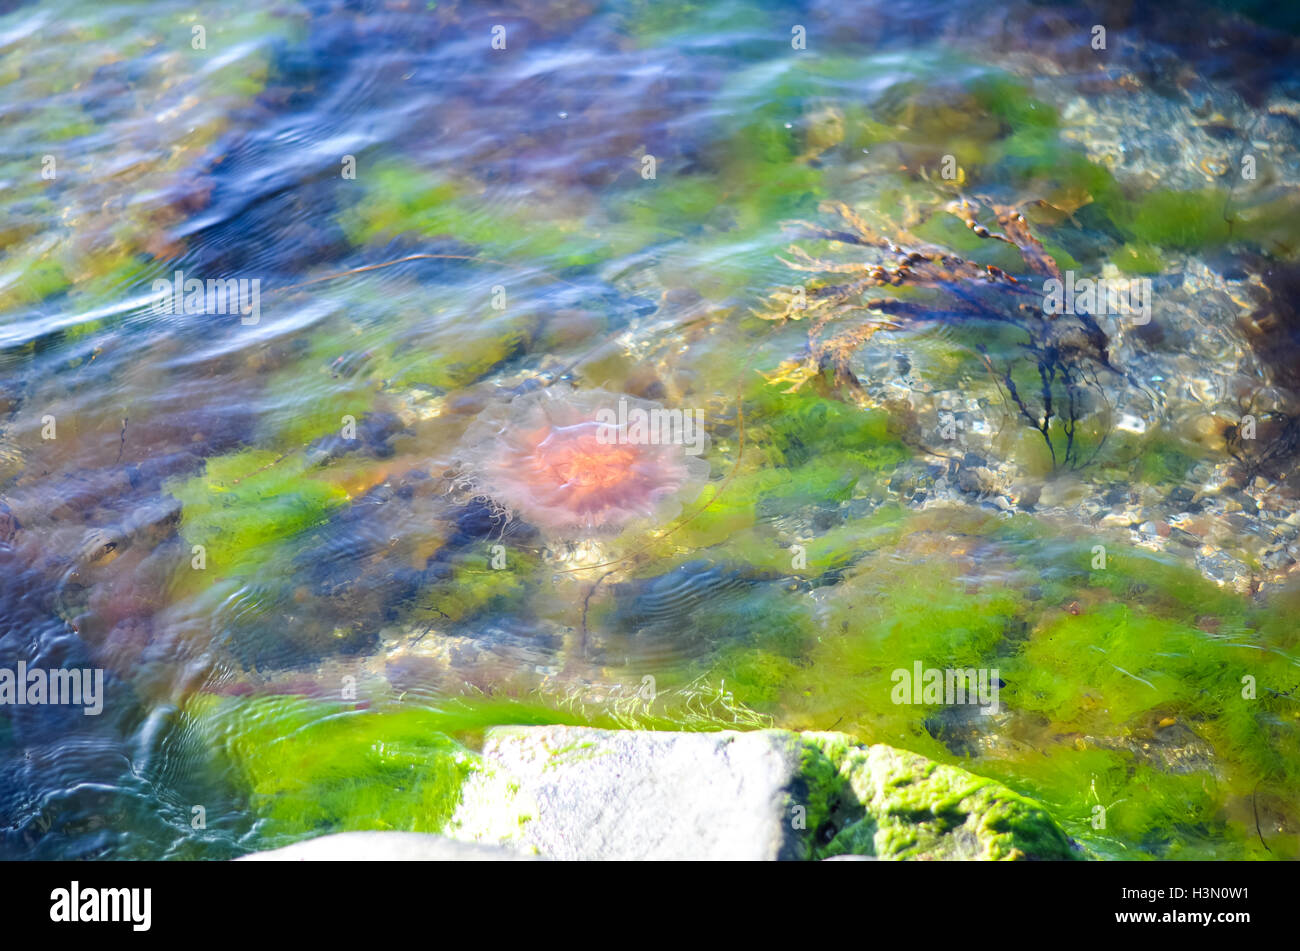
x=262 y=530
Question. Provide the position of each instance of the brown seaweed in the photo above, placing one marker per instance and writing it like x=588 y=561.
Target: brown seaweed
x=848 y=304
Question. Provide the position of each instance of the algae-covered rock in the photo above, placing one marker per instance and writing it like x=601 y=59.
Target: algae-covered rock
x=900 y=805
x=579 y=793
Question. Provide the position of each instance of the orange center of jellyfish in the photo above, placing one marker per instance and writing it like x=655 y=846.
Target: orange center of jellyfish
x=581 y=465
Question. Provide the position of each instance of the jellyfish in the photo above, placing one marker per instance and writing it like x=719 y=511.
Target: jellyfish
x=584 y=463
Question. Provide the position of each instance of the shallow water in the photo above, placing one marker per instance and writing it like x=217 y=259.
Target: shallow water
x=267 y=527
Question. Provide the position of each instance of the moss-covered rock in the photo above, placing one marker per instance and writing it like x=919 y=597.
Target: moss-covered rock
x=899 y=805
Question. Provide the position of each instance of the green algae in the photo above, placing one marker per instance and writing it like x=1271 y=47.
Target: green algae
x=733 y=532
x=93 y=278
x=106 y=277
x=467 y=348
x=248 y=30
x=792 y=430
x=1036 y=159
x=1002 y=95
x=1143 y=578
x=310 y=396
x=886 y=619
x=398 y=198
x=244 y=505
x=1186 y=720
x=844 y=544
x=725 y=240
x=1136 y=727
x=765 y=637
x=30 y=278
x=1185 y=220
x=788 y=468
x=721 y=512
x=309 y=405
x=1125 y=676
x=1273 y=225
x=60 y=122
x=719 y=240
x=1197 y=220
x=473 y=587
x=1144 y=259
x=947 y=231
x=1110 y=662
x=309 y=767
x=895 y=804
x=757 y=675
x=656 y=22
x=1158 y=457
x=676 y=208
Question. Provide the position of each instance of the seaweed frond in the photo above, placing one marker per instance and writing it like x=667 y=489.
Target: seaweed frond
x=849 y=302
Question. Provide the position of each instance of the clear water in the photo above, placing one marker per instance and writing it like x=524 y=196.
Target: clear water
x=269 y=529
